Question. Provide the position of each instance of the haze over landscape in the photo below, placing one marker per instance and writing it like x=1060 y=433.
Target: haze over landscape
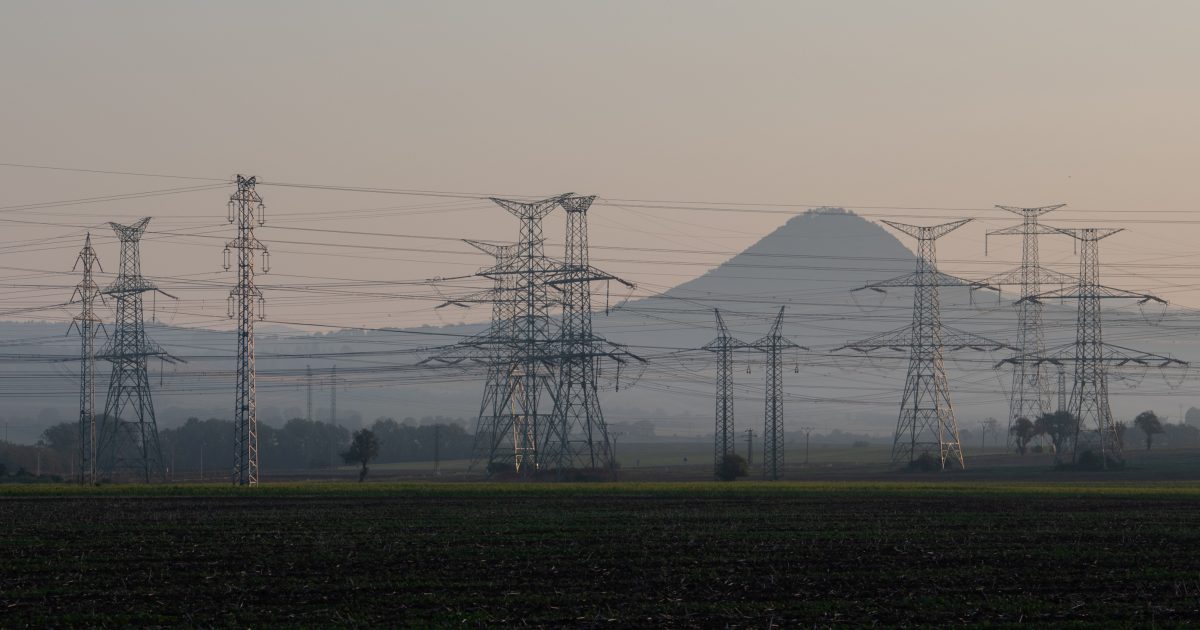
x=699 y=141
x=685 y=313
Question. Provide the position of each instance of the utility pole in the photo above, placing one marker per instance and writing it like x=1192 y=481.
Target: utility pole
x=333 y=396
x=926 y=425
x=246 y=208
x=982 y=435
x=86 y=323
x=437 y=453
x=749 y=447
x=1030 y=394
x=807 y=433
x=773 y=439
x=128 y=435
x=1062 y=387
x=308 y=390
x=723 y=436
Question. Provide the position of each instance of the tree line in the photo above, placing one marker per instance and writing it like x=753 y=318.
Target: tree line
x=206 y=446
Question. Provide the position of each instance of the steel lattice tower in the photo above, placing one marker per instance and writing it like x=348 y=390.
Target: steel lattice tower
x=723 y=436
x=1089 y=395
x=129 y=443
x=86 y=322
x=533 y=332
x=1030 y=393
x=246 y=208
x=1090 y=355
x=773 y=344
x=579 y=436
x=926 y=424
x=495 y=438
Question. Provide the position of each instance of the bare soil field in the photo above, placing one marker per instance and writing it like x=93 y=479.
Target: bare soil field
x=681 y=555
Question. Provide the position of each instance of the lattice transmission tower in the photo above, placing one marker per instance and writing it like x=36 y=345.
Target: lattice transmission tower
x=774 y=344
x=128 y=436
x=723 y=346
x=579 y=437
x=87 y=323
x=496 y=440
x=1030 y=394
x=1091 y=356
x=246 y=305
x=926 y=424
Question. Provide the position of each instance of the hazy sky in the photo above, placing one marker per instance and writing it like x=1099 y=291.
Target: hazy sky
x=912 y=105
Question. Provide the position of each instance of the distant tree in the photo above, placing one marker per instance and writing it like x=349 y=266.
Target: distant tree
x=1121 y=428
x=62 y=437
x=732 y=467
x=991 y=425
x=363 y=448
x=1059 y=426
x=1149 y=423
x=1022 y=431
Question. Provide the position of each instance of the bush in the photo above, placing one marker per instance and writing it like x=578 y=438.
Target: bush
x=925 y=463
x=501 y=468
x=732 y=467
x=1037 y=448
x=1091 y=460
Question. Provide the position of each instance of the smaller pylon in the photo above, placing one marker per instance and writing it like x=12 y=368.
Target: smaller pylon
x=723 y=437
x=773 y=344
x=246 y=305
x=86 y=322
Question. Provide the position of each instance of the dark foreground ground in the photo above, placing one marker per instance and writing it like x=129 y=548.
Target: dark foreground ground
x=682 y=555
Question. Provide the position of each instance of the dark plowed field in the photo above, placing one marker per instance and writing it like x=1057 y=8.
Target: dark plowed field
x=679 y=556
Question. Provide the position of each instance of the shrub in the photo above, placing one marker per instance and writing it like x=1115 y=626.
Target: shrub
x=925 y=463
x=732 y=467
x=1091 y=460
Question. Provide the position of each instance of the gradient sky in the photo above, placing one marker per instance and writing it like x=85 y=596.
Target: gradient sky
x=936 y=109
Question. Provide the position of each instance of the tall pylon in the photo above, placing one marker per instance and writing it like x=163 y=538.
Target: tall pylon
x=534 y=334
x=773 y=344
x=246 y=305
x=926 y=425
x=128 y=436
x=86 y=322
x=1089 y=354
x=1030 y=393
x=579 y=435
x=723 y=435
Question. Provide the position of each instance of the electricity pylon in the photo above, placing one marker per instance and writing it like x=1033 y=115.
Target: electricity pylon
x=1030 y=393
x=495 y=439
x=533 y=333
x=723 y=436
x=246 y=208
x=1089 y=354
x=926 y=424
x=129 y=443
x=86 y=322
x=773 y=343
x=578 y=436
